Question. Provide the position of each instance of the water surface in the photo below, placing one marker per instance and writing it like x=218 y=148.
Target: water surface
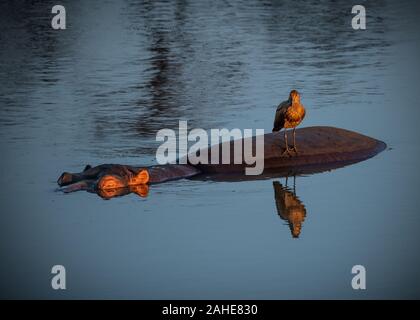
x=99 y=91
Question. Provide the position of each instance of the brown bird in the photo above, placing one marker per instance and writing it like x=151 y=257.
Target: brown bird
x=289 y=208
x=289 y=114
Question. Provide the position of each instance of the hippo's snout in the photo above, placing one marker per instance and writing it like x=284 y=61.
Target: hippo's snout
x=65 y=179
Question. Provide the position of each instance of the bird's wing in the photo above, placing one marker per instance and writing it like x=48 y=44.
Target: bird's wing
x=279 y=117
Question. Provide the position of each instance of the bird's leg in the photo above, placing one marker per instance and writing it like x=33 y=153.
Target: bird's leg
x=287 y=150
x=294 y=141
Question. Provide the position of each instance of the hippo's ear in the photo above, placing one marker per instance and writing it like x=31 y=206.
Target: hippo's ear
x=88 y=166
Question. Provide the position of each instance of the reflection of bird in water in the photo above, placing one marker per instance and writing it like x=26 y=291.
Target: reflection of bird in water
x=289 y=207
x=289 y=114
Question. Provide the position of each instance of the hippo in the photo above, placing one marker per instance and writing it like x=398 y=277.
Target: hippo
x=320 y=149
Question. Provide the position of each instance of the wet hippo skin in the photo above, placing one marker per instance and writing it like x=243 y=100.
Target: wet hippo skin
x=318 y=147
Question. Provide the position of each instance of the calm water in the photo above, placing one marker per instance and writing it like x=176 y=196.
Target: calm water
x=99 y=91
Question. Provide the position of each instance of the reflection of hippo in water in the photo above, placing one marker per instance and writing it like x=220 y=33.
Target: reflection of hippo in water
x=320 y=149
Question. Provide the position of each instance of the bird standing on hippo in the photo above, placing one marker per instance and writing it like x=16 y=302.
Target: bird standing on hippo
x=289 y=114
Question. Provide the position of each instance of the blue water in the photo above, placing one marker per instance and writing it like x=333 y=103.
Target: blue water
x=99 y=91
